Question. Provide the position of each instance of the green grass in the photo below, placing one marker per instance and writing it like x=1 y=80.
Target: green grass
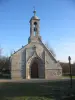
x=68 y=76
x=52 y=90
x=28 y=98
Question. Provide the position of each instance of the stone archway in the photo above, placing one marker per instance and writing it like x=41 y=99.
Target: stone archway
x=34 y=70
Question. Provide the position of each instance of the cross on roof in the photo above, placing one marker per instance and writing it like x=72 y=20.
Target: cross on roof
x=34 y=11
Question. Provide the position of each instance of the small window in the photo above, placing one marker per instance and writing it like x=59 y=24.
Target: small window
x=35 y=23
x=35 y=28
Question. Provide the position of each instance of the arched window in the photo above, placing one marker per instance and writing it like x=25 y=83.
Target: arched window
x=35 y=28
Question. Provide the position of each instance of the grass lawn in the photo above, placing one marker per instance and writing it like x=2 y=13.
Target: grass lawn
x=52 y=90
x=68 y=76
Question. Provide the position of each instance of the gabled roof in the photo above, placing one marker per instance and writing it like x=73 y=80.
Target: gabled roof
x=19 y=49
x=43 y=46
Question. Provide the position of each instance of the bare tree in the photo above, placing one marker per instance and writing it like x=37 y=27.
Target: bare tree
x=12 y=52
x=0 y=52
x=50 y=49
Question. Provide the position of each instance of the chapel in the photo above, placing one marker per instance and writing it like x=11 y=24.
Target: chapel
x=34 y=60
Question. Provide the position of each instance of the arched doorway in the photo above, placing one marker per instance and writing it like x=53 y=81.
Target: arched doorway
x=34 y=70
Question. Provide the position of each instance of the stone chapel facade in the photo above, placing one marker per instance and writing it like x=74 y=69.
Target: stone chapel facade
x=34 y=60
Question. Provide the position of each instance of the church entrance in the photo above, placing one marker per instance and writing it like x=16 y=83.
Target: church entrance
x=34 y=70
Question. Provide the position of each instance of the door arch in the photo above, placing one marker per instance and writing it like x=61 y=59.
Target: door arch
x=34 y=70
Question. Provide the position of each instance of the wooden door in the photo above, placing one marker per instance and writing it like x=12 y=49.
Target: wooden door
x=34 y=70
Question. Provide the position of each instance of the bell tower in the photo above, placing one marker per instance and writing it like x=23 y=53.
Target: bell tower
x=34 y=29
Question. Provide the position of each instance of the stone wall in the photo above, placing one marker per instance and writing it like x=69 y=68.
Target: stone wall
x=32 y=54
x=21 y=61
x=18 y=64
x=53 y=73
x=52 y=68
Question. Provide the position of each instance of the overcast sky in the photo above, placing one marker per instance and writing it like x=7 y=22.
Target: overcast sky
x=57 y=25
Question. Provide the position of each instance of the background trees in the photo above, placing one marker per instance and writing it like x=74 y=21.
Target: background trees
x=50 y=49
x=4 y=66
